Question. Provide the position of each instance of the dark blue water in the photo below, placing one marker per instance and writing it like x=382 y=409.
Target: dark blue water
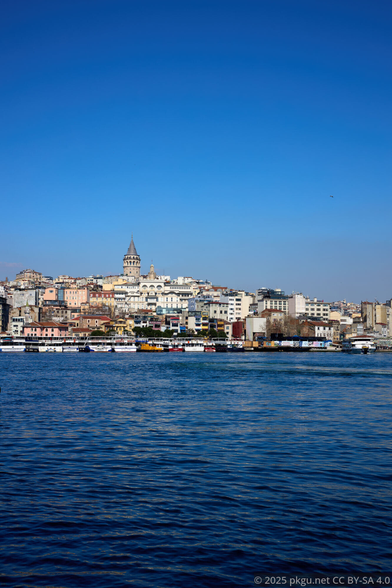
x=192 y=469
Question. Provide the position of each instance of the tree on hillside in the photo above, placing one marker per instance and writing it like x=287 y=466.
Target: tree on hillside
x=98 y=333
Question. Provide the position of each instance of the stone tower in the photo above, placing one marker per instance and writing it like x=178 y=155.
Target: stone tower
x=151 y=274
x=131 y=262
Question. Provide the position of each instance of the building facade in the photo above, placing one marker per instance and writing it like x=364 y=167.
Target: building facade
x=238 y=304
x=272 y=299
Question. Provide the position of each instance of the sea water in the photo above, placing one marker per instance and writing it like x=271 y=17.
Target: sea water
x=173 y=470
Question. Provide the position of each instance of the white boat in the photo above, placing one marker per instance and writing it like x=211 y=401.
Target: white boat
x=194 y=347
x=50 y=348
x=68 y=348
x=359 y=344
x=99 y=348
x=12 y=346
x=124 y=348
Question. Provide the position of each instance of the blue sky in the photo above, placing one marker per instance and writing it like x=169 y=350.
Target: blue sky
x=214 y=131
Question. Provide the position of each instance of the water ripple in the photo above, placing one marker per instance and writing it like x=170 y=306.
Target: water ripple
x=167 y=471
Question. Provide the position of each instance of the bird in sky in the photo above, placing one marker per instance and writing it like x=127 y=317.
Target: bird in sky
x=331 y=196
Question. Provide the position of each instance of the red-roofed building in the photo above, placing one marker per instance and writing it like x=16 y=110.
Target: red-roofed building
x=317 y=329
x=89 y=321
x=102 y=299
x=45 y=329
x=80 y=332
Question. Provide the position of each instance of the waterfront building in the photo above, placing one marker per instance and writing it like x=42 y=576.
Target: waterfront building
x=131 y=261
x=322 y=329
x=45 y=329
x=238 y=329
x=17 y=325
x=256 y=326
x=316 y=329
x=80 y=331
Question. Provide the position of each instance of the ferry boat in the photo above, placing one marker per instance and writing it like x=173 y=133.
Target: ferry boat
x=99 y=348
x=150 y=347
x=7 y=345
x=72 y=347
x=199 y=347
x=209 y=349
x=235 y=348
x=359 y=344
x=221 y=347
x=175 y=348
x=53 y=347
x=124 y=347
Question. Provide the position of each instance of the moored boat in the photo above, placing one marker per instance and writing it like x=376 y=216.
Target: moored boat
x=99 y=348
x=235 y=348
x=124 y=347
x=150 y=347
x=209 y=349
x=9 y=345
x=70 y=348
x=221 y=347
x=50 y=347
x=199 y=347
x=360 y=344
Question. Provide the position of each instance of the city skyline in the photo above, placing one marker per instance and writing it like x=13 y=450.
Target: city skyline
x=140 y=273
x=215 y=132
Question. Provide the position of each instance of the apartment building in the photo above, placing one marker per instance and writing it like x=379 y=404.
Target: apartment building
x=268 y=298
x=299 y=305
x=238 y=304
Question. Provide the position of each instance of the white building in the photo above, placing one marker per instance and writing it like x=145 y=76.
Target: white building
x=17 y=324
x=255 y=324
x=272 y=299
x=239 y=303
x=218 y=310
x=152 y=293
x=23 y=297
x=299 y=305
x=322 y=329
x=317 y=308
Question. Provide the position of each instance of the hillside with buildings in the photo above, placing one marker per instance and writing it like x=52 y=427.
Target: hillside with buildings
x=46 y=306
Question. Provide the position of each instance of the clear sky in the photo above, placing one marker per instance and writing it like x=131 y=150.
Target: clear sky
x=214 y=130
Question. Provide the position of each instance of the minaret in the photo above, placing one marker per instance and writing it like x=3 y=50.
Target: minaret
x=131 y=262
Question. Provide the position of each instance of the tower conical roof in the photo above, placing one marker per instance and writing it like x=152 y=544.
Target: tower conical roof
x=132 y=248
